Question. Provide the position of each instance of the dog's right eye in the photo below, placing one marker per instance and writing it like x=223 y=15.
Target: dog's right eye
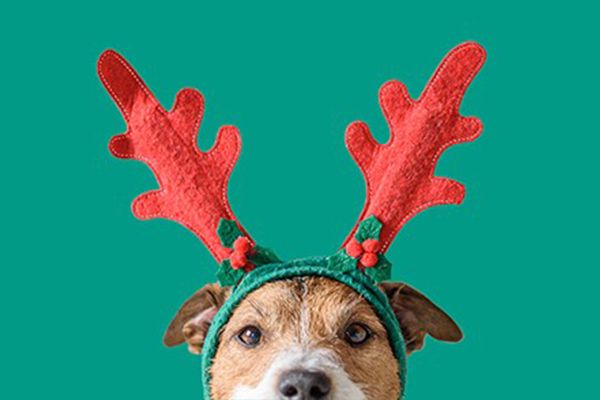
x=250 y=336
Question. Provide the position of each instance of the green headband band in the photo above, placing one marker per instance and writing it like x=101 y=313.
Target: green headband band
x=316 y=266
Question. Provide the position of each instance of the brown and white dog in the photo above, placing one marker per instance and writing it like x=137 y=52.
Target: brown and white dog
x=307 y=338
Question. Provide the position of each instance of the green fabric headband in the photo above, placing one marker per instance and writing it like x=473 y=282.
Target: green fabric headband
x=316 y=266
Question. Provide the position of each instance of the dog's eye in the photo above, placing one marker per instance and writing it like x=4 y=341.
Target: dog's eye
x=357 y=334
x=250 y=336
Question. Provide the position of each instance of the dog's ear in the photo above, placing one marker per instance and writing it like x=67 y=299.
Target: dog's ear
x=193 y=319
x=418 y=316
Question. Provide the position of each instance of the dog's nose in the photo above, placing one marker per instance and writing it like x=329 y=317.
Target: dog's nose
x=304 y=385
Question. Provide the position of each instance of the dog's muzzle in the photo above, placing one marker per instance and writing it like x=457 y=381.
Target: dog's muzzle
x=304 y=385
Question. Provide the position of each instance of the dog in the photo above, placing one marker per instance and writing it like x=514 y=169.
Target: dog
x=308 y=338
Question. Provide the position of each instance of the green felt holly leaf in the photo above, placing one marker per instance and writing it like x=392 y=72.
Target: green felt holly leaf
x=382 y=271
x=369 y=228
x=264 y=256
x=342 y=261
x=228 y=276
x=228 y=231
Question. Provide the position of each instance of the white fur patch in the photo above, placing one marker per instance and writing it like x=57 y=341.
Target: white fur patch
x=304 y=317
x=297 y=358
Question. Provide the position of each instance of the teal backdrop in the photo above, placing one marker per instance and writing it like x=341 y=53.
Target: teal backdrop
x=86 y=290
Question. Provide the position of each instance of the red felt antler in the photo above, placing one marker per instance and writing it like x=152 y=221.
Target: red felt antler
x=400 y=174
x=192 y=184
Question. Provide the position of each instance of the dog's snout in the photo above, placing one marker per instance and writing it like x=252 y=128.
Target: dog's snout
x=304 y=385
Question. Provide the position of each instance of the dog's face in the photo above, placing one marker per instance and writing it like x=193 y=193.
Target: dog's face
x=307 y=338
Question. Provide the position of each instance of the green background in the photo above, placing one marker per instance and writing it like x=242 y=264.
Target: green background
x=86 y=290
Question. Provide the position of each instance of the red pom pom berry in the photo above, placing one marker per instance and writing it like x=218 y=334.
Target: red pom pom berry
x=238 y=260
x=369 y=260
x=371 y=246
x=242 y=244
x=354 y=249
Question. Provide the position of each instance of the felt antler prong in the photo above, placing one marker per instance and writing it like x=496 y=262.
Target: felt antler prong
x=192 y=184
x=400 y=174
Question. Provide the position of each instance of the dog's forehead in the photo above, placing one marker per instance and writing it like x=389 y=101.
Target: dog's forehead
x=309 y=291
x=321 y=302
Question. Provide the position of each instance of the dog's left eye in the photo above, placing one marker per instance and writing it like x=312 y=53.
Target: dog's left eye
x=250 y=336
x=357 y=334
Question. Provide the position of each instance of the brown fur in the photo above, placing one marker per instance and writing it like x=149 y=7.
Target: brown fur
x=276 y=309
x=418 y=316
x=191 y=322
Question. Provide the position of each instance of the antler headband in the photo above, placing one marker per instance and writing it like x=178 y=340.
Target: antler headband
x=192 y=184
x=399 y=177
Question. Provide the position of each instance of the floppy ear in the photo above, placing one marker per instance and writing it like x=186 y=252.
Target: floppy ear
x=418 y=316
x=193 y=319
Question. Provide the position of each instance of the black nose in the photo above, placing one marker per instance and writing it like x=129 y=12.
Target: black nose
x=304 y=385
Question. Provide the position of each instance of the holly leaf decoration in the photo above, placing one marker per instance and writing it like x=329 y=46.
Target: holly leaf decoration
x=263 y=256
x=228 y=276
x=369 y=228
x=228 y=231
x=382 y=271
x=341 y=261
